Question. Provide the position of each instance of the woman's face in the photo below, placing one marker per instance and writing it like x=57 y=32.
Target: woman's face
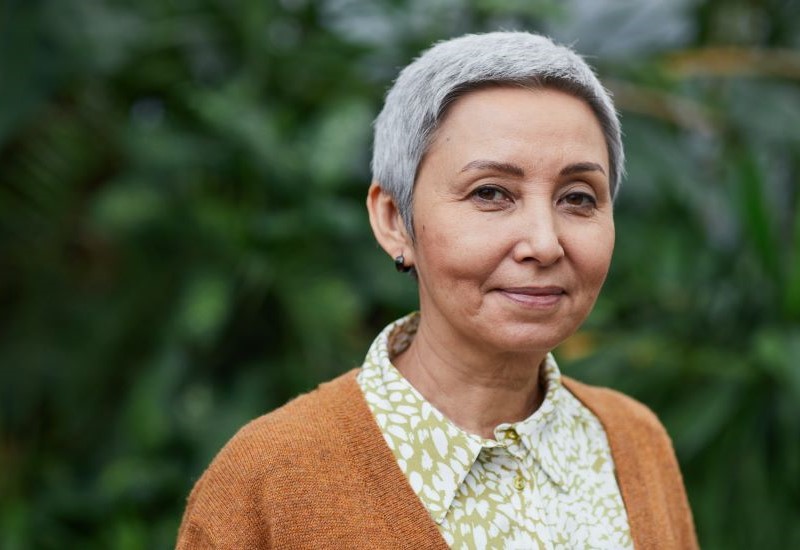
x=513 y=220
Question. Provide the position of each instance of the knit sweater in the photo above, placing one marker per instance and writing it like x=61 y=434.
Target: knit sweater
x=317 y=473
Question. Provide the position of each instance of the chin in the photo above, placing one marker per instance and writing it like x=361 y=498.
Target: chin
x=530 y=339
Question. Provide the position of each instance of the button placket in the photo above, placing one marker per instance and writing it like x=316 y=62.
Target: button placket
x=514 y=445
x=512 y=441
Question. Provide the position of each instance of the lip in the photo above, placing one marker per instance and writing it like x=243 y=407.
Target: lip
x=535 y=297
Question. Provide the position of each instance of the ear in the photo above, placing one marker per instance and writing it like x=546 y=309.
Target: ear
x=387 y=224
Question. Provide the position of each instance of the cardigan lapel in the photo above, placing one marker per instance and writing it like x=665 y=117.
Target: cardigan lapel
x=373 y=461
x=646 y=468
x=647 y=471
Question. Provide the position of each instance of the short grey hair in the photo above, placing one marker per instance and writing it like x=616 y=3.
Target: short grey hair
x=418 y=101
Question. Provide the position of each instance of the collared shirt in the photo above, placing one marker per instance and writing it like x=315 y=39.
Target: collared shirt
x=544 y=482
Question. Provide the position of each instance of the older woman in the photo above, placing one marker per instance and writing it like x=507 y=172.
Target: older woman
x=497 y=159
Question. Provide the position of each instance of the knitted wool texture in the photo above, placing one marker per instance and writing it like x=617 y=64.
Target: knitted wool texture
x=317 y=473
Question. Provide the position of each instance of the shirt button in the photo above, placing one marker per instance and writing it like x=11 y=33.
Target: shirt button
x=512 y=434
x=519 y=483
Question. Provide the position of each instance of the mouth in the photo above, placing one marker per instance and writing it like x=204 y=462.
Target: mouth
x=535 y=297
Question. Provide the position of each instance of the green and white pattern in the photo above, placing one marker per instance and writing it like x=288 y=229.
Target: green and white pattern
x=545 y=482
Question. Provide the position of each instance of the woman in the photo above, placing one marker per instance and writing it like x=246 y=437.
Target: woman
x=496 y=161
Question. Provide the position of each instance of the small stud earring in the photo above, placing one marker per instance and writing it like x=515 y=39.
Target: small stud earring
x=400 y=264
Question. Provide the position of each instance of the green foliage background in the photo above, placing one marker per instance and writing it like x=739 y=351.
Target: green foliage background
x=183 y=243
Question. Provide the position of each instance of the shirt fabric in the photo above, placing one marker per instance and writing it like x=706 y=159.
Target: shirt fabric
x=547 y=481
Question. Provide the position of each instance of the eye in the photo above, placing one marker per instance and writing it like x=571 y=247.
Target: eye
x=490 y=193
x=579 y=200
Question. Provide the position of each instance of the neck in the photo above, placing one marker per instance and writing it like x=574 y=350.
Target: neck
x=475 y=391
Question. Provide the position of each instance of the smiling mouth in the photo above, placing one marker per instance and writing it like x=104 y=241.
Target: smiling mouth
x=535 y=297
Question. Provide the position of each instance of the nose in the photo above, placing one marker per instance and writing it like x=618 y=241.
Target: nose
x=538 y=239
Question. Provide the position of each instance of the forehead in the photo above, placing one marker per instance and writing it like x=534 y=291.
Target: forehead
x=521 y=124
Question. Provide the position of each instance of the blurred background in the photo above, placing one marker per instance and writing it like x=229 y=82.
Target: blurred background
x=184 y=244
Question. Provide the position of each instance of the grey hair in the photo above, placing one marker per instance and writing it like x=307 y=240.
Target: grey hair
x=418 y=101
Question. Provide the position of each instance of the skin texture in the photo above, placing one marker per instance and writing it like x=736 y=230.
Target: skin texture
x=514 y=236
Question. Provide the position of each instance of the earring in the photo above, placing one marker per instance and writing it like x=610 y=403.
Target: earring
x=400 y=264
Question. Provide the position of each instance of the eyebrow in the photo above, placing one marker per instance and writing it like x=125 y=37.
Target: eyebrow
x=505 y=167
x=514 y=170
x=580 y=167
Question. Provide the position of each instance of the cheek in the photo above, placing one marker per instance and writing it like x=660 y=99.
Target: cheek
x=452 y=250
x=591 y=253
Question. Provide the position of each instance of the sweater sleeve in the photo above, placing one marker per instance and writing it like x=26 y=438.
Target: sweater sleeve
x=225 y=509
x=193 y=537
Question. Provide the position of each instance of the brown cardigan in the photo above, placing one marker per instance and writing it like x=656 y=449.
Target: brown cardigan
x=317 y=473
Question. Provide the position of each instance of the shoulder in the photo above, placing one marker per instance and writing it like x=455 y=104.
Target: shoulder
x=638 y=440
x=267 y=458
x=614 y=407
x=647 y=469
x=301 y=427
x=632 y=428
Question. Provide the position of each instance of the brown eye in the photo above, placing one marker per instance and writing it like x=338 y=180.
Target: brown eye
x=490 y=194
x=581 y=200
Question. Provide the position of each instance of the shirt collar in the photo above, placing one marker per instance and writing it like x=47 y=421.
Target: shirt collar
x=434 y=454
x=437 y=450
x=547 y=433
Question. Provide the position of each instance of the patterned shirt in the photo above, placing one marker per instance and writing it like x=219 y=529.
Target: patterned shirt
x=544 y=482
